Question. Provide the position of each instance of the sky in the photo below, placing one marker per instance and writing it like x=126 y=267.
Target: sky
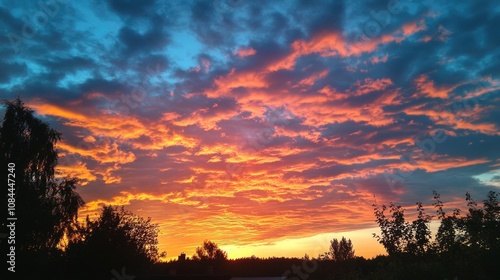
x=268 y=127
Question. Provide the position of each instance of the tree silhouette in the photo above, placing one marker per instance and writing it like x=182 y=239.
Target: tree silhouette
x=341 y=251
x=116 y=239
x=396 y=232
x=422 y=234
x=446 y=237
x=46 y=208
x=478 y=230
x=482 y=224
x=492 y=221
x=209 y=251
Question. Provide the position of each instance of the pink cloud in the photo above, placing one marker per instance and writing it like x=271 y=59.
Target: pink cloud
x=244 y=52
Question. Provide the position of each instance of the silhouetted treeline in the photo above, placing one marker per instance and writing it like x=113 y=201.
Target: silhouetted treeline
x=466 y=245
x=244 y=267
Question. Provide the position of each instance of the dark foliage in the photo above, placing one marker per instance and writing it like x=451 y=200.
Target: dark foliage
x=339 y=250
x=465 y=247
x=116 y=239
x=210 y=251
x=397 y=233
x=244 y=267
x=46 y=208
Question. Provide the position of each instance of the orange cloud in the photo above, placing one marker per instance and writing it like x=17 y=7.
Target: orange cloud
x=236 y=79
x=370 y=85
x=332 y=93
x=427 y=87
x=436 y=163
x=325 y=44
x=378 y=59
x=103 y=152
x=102 y=139
x=243 y=52
x=309 y=81
x=75 y=169
x=413 y=27
x=120 y=128
x=487 y=86
x=441 y=35
x=334 y=44
x=461 y=118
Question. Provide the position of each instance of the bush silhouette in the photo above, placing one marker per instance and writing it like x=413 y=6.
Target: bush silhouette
x=116 y=239
x=210 y=251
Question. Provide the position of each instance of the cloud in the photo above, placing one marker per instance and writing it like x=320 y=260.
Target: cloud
x=131 y=8
x=428 y=88
x=243 y=52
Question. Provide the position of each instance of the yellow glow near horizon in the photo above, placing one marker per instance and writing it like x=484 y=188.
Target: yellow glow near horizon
x=365 y=245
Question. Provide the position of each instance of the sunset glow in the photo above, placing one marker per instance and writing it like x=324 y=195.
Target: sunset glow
x=269 y=128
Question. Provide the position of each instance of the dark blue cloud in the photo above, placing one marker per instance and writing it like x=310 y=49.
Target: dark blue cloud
x=132 y=8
